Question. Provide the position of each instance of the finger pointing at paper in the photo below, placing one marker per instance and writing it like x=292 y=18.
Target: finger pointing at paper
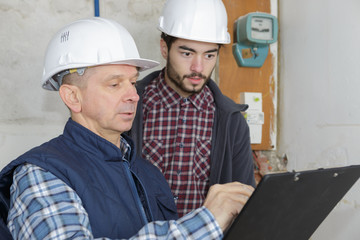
x=225 y=201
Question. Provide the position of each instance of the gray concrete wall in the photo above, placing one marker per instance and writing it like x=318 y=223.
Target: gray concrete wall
x=319 y=105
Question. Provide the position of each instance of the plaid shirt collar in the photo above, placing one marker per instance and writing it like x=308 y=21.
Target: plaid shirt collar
x=125 y=149
x=170 y=97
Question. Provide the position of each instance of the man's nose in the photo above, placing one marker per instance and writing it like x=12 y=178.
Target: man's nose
x=197 y=64
x=132 y=94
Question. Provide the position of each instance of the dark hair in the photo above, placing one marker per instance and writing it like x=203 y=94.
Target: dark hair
x=168 y=39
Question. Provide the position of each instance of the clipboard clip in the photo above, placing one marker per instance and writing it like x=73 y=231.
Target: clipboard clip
x=296 y=177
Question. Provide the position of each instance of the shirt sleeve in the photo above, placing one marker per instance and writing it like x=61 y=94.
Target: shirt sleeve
x=198 y=224
x=44 y=207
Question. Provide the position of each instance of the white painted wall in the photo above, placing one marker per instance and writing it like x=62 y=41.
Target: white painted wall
x=30 y=115
x=319 y=105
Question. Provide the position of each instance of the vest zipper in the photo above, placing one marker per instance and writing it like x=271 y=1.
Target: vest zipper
x=134 y=190
x=148 y=212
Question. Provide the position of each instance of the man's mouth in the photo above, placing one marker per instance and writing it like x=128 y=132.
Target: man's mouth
x=195 y=78
x=127 y=111
x=195 y=81
x=127 y=115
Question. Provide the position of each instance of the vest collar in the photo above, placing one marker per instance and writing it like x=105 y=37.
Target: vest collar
x=93 y=144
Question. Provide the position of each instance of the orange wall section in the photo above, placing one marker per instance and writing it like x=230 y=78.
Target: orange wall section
x=234 y=79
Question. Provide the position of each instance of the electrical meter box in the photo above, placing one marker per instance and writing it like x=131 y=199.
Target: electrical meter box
x=254 y=115
x=253 y=33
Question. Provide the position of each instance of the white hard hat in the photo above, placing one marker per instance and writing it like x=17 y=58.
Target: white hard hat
x=199 y=20
x=90 y=42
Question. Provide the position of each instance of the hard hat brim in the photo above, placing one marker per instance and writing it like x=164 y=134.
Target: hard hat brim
x=141 y=63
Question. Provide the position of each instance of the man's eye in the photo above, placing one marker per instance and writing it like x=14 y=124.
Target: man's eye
x=186 y=54
x=209 y=56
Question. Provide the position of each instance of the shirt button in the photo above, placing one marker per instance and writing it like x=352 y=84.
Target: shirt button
x=178 y=172
x=181 y=145
x=176 y=197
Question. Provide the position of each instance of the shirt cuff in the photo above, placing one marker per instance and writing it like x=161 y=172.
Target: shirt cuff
x=202 y=218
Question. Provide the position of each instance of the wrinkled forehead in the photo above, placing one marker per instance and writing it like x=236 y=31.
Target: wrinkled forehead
x=114 y=71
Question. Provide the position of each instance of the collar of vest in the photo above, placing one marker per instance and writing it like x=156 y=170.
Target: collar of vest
x=86 y=139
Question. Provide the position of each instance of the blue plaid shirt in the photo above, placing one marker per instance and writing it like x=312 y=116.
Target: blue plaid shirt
x=44 y=207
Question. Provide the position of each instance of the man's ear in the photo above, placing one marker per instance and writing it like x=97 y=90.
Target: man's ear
x=163 y=49
x=71 y=96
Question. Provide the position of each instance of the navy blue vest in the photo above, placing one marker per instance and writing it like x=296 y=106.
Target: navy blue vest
x=120 y=197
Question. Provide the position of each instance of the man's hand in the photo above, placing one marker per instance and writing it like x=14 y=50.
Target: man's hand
x=225 y=201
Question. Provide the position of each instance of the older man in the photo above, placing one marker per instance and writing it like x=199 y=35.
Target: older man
x=88 y=182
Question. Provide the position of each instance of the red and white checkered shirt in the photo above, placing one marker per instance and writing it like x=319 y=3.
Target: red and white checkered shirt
x=177 y=139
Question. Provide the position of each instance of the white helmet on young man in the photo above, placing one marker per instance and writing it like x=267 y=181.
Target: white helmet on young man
x=199 y=20
x=89 y=42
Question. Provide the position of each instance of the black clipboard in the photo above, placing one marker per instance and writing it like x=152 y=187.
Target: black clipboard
x=291 y=205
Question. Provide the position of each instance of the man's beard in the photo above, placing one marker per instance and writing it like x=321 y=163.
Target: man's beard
x=175 y=78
